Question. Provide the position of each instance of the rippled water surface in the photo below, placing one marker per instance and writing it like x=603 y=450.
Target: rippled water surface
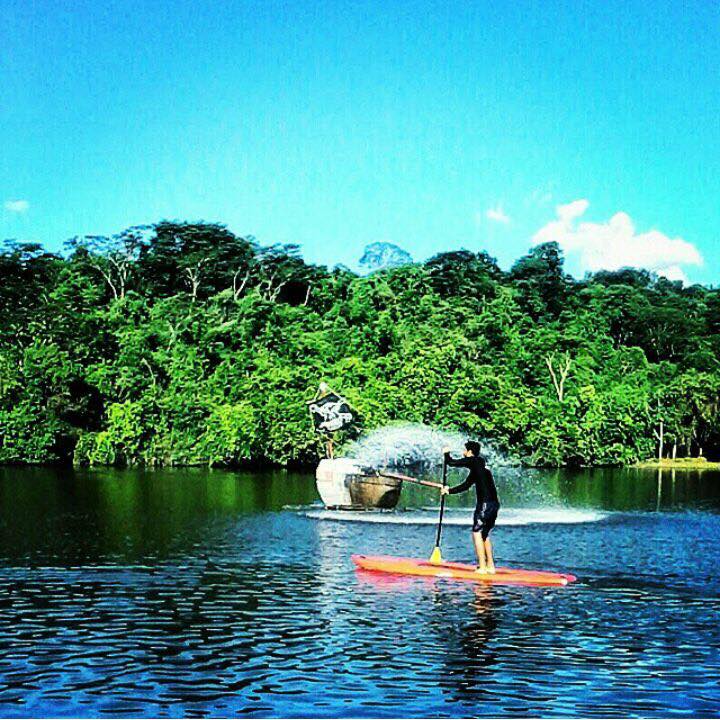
x=195 y=592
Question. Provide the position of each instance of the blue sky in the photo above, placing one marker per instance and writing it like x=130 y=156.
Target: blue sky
x=434 y=125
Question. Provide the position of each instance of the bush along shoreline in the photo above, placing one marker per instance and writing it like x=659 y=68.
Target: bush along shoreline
x=185 y=344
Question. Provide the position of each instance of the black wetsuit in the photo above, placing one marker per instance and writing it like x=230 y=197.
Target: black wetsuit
x=487 y=505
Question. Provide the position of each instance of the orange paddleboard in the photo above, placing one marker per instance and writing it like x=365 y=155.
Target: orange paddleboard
x=458 y=571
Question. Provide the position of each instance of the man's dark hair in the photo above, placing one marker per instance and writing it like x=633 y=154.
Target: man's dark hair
x=474 y=447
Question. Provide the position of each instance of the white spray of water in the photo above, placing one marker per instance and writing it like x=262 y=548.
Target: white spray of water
x=419 y=447
x=412 y=444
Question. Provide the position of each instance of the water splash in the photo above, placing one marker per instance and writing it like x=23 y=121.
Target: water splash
x=415 y=444
x=418 y=448
x=460 y=517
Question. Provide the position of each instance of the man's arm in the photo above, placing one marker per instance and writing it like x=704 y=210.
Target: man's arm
x=467 y=483
x=460 y=462
x=462 y=487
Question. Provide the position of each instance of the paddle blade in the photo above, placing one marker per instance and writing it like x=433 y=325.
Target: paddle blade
x=436 y=557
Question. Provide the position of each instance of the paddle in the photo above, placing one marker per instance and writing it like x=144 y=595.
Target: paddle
x=407 y=478
x=436 y=557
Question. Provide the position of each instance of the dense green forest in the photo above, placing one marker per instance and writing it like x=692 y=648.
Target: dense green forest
x=183 y=343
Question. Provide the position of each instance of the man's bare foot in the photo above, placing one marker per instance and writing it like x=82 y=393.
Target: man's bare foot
x=481 y=570
x=491 y=569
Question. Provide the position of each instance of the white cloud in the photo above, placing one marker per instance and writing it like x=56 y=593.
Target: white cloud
x=497 y=214
x=17 y=206
x=568 y=213
x=615 y=244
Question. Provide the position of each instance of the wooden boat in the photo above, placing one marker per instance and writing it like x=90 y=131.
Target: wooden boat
x=344 y=484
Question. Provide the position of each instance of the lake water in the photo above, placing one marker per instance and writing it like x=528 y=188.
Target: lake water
x=189 y=592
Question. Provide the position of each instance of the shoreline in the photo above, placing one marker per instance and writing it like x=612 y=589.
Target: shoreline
x=251 y=466
x=677 y=464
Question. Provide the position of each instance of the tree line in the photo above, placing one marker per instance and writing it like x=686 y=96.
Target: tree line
x=183 y=343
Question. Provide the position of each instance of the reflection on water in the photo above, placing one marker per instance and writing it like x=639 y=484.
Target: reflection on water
x=133 y=513
x=197 y=592
x=627 y=489
x=468 y=665
x=638 y=488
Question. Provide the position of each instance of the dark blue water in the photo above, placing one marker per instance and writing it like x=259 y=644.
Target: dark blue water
x=183 y=593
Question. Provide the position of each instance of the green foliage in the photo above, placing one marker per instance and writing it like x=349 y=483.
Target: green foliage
x=185 y=344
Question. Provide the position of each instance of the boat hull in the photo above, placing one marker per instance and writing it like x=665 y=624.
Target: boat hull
x=345 y=485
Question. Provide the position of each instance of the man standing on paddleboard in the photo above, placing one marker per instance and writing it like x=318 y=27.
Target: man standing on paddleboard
x=487 y=506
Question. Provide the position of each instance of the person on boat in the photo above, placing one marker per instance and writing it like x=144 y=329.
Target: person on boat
x=487 y=506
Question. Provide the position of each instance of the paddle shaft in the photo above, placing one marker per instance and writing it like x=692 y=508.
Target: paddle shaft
x=442 y=503
x=407 y=478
